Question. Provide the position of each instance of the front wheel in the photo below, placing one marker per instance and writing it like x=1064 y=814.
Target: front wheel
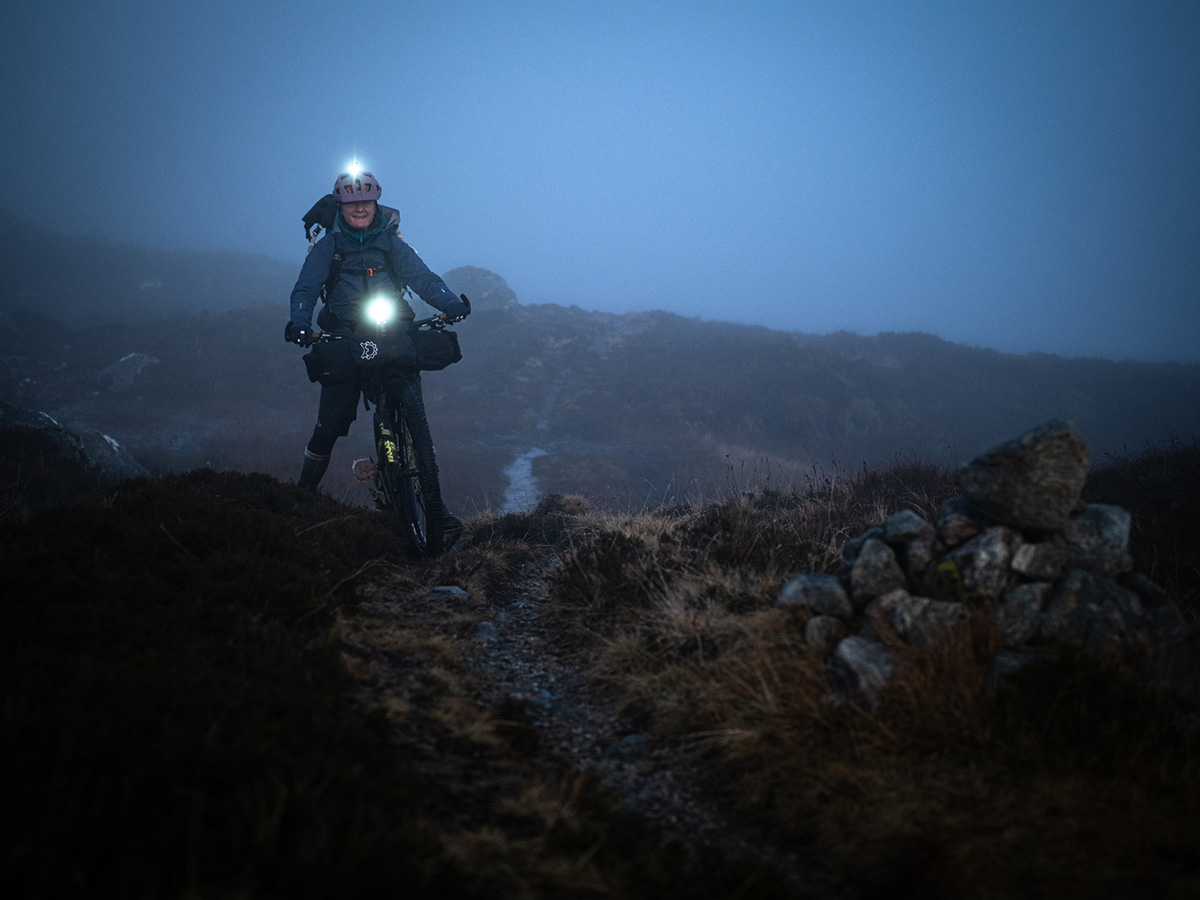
x=407 y=470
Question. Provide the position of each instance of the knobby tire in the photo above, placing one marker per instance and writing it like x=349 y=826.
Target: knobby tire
x=409 y=480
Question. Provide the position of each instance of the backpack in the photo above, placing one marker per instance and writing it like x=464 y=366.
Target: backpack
x=320 y=218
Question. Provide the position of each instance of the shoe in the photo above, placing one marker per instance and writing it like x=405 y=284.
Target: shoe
x=312 y=471
x=450 y=522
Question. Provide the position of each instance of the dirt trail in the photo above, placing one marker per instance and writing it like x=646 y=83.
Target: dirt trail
x=518 y=660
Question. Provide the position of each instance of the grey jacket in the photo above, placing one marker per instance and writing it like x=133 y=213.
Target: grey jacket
x=367 y=258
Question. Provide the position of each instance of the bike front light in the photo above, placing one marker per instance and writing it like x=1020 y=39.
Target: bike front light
x=381 y=310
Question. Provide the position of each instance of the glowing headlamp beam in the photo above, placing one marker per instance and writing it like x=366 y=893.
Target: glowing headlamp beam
x=381 y=310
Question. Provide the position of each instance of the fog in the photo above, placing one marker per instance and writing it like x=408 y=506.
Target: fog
x=1019 y=176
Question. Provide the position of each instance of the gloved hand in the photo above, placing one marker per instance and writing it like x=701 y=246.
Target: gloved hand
x=455 y=310
x=298 y=333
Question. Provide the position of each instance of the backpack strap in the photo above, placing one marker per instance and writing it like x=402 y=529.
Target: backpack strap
x=397 y=281
x=335 y=269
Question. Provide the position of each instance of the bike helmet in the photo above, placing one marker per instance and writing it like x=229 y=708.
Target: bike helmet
x=351 y=188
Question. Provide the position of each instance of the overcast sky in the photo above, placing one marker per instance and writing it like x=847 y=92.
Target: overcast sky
x=1015 y=175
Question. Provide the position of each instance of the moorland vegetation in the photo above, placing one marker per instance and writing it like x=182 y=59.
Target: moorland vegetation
x=198 y=704
x=215 y=684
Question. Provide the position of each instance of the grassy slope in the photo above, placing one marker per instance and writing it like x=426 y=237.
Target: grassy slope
x=206 y=693
x=214 y=684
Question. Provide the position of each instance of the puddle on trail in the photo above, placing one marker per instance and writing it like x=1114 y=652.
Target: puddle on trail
x=522 y=493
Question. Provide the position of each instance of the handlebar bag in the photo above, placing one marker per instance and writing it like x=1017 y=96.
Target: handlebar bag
x=381 y=355
x=331 y=362
x=436 y=348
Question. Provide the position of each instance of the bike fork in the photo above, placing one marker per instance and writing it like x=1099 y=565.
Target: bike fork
x=387 y=449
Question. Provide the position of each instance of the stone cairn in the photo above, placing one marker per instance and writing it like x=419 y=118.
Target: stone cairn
x=1019 y=542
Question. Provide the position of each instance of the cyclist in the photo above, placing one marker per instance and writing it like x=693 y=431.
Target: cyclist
x=360 y=256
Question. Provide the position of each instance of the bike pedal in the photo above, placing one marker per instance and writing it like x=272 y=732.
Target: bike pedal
x=364 y=470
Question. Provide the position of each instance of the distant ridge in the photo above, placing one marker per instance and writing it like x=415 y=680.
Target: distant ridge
x=94 y=277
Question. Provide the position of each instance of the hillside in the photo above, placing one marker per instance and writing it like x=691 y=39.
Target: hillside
x=178 y=355
x=636 y=408
x=217 y=684
x=96 y=278
x=647 y=406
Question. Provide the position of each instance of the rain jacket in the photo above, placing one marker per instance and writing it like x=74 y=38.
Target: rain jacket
x=367 y=257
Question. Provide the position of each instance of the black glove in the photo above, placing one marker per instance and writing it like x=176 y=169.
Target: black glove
x=455 y=310
x=297 y=333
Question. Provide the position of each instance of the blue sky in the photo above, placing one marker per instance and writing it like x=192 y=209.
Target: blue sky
x=1015 y=175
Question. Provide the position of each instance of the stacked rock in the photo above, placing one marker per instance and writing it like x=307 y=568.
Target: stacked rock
x=1019 y=542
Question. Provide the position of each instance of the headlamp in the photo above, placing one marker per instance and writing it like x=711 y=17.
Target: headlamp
x=355 y=169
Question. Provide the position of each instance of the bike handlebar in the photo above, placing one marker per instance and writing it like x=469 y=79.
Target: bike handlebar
x=438 y=321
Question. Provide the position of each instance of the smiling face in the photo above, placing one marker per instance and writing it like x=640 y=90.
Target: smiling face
x=359 y=214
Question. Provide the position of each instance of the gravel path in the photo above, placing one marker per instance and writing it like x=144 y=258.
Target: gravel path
x=517 y=659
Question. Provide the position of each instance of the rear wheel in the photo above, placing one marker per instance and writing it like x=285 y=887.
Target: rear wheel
x=407 y=471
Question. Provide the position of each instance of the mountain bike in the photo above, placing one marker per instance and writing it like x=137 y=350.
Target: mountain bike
x=388 y=362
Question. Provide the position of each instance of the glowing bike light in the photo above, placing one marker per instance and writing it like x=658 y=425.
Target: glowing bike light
x=381 y=310
x=355 y=169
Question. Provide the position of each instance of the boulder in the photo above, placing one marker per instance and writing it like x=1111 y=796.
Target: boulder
x=959 y=522
x=1042 y=560
x=446 y=591
x=879 y=613
x=922 y=622
x=121 y=375
x=1032 y=482
x=1019 y=612
x=860 y=667
x=824 y=632
x=875 y=572
x=918 y=557
x=1091 y=610
x=852 y=547
x=101 y=457
x=1097 y=539
x=983 y=562
x=824 y=594
x=904 y=527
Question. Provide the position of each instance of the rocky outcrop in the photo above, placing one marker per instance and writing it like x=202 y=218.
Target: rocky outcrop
x=486 y=289
x=100 y=457
x=124 y=373
x=1020 y=544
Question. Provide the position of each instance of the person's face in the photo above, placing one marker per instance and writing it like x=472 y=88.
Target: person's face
x=359 y=214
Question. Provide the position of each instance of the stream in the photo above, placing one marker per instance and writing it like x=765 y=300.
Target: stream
x=522 y=493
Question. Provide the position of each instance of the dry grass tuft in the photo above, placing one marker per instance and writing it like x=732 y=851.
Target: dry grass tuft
x=1075 y=775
